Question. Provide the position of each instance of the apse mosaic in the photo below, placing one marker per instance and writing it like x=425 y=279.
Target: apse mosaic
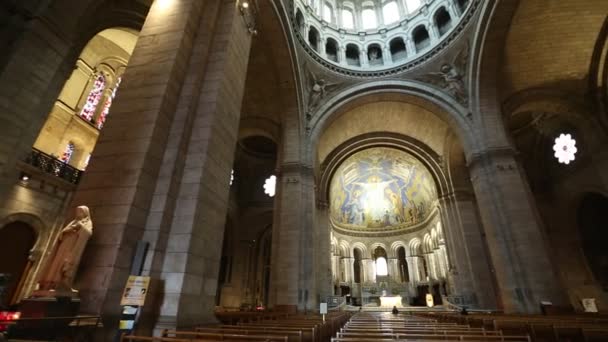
x=381 y=188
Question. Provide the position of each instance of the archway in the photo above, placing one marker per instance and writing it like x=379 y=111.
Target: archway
x=16 y=241
x=593 y=224
x=433 y=136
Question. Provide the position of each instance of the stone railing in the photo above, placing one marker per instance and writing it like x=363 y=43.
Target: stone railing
x=53 y=166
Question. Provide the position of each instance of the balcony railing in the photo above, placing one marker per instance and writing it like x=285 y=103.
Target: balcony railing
x=53 y=166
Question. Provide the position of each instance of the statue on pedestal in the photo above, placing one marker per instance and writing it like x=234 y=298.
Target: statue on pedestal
x=58 y=275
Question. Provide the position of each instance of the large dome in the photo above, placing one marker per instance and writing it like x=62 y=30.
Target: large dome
x=381 y=190
x=376 y=35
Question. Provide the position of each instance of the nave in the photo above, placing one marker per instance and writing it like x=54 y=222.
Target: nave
x=385 y=326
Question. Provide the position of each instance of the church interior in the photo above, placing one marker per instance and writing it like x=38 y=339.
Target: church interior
x=185 y=163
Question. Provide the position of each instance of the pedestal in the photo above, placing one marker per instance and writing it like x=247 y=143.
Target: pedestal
x=49 y=307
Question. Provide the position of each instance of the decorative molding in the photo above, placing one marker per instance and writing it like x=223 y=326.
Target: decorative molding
x=503 y=158
x=294 y=167
x=395 y=70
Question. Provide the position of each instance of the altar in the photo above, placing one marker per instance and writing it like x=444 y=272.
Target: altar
x=390 y=301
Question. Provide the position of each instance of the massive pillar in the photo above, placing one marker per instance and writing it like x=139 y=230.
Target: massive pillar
x=520 y=259
x=468 y=268
x=322 y=274
x=161 y=169
x=121 y=177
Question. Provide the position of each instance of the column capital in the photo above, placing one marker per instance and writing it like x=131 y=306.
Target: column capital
x=294 y=167
x=504 y=158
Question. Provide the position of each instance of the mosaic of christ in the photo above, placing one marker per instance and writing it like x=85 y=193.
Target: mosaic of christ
x=381 y=187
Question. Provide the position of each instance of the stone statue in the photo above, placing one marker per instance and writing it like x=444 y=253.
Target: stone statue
x=451 y=77
x=58 y=275
x=317 y=90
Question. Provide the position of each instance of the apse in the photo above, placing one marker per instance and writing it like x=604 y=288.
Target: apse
x=381 y=189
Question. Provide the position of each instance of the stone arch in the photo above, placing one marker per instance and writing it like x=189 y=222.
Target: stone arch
x=592 y=222
x=421 y=37
x=365 y=254
x=395 y=245
x=43 y=236
x=358 y=143
x=77 y=27
x=346 y=249
x=414 y=247
x=443 y=20
x=443 y=106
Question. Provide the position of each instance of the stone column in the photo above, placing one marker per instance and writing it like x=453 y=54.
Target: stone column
x=369 y=276
x=322 y=42
x=454 y=9
x=342 y=55
x=348 y=269
x=410 y=46
x=412 y=266
x=393 y=270
x=468 y=266
x=321 y=247
x=292 y=278
x=193 y=252
x=363 y=57
x=516 y=243
x=336 y=264
x=121 y=177
x=386 y=55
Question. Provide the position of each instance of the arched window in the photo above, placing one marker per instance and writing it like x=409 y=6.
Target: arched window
x=390 y=13
x=412 y=5
x=348 y=20
x=331 y=50
x=88 y=110
x=381 y=264
x=313 y=38
x=300 y=22
x=443 y=21
x=421 y=38
x=107 y=105
x=327 y=12
x=352 y=55
x=68 y=152
x=270 y=185
x=368 y=16
x=398 y=51
x=374 y=55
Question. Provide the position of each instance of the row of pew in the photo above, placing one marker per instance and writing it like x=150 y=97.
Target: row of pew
x=375 y=326
x=556 y=328
x=270 y=327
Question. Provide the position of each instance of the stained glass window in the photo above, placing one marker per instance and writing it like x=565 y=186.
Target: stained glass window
x=107 y=105
x=93 y=99
x=270 y=185
x=67 y=153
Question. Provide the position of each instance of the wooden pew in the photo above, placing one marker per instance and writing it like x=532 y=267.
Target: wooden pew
x=229 y=336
